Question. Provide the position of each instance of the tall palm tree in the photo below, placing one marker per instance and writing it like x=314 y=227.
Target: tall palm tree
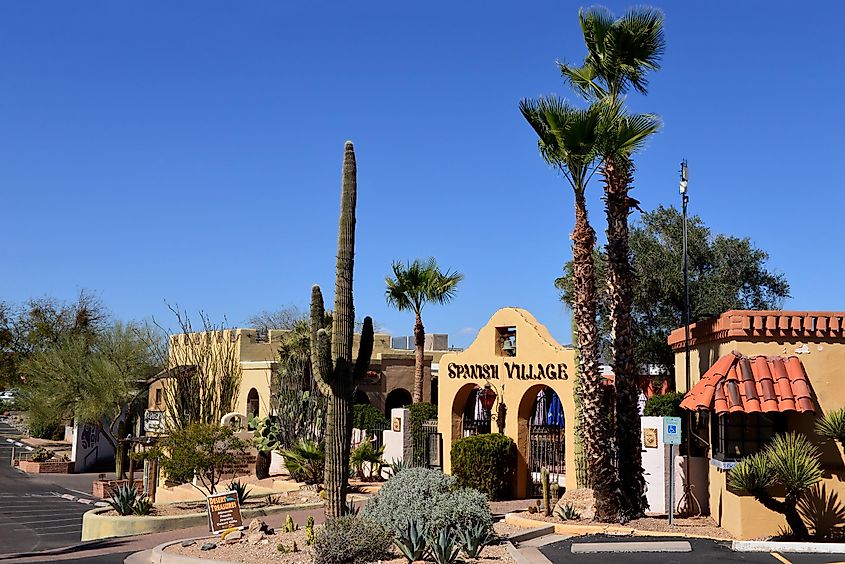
x=620 y=52
x=569 y=140
x=412 y=286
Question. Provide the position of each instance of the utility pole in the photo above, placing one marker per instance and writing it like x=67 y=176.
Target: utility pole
x=684 y=201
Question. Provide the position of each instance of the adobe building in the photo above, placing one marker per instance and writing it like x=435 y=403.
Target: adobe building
x=388 y=383
x=754 y=374
x=526 y=380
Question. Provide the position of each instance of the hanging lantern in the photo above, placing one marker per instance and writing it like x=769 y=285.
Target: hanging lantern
x=487 y=397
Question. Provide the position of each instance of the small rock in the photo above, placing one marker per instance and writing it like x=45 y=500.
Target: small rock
x=270 y=531
x=187 y=543
x=255 y=537
x=208 y=546
x=257 y=525
x=233 y=537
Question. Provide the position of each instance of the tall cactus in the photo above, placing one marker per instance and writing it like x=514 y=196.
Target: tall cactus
x=332 y=363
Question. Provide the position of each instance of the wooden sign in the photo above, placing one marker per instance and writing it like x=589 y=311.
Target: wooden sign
x=224 y=512
x=650 y=438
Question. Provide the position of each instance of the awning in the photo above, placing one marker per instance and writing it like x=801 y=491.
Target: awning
x=737 y=383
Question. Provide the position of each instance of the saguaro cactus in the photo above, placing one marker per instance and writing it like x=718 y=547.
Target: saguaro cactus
x=544 y=482
x=332 y=363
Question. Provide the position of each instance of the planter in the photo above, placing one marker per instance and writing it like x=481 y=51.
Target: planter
x=95 y=525
x=105 y=488
x=48 y=467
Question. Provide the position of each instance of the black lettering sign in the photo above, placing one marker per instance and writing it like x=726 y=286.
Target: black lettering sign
x=224 y=512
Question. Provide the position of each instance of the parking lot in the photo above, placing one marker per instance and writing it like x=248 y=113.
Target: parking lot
x=33 y=515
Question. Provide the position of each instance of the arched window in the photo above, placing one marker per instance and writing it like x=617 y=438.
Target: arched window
x=252 y=403
x=400 y=397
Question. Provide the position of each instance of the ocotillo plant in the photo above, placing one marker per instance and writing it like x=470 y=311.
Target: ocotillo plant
x=332 y=364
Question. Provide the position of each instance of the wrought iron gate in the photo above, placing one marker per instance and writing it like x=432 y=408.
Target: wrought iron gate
x=546 y=445
x=428 y=446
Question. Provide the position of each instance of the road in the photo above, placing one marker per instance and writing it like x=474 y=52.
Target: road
x=33 y=516
x=702 y=551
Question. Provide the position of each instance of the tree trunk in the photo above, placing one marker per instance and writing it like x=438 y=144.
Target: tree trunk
x=419 y=359
x=788 y=509
x=620 y=286
x=597 y=436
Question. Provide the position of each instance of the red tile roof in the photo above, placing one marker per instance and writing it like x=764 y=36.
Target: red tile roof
x=757 y=324
x=737 y=383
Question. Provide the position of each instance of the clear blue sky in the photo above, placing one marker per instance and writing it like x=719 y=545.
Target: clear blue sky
x=191 y=151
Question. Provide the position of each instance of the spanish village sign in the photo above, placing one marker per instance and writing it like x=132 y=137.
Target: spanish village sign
x=512 y=371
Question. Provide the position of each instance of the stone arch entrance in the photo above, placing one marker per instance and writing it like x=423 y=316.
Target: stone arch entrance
x=400 y=397
x=252 y=403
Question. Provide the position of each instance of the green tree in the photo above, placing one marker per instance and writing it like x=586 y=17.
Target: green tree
x=411 y=287
x=619 y=54
x=203 y=450
x=93 y=379
x=569 y=140
x=790 y=463
x=726 y=272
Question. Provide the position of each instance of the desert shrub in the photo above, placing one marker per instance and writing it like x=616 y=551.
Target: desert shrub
x=43 y=428
x=485 y=462
x=203 y=450
x=365 y=416
x=428 y=498
x=664 y=405
x=41 y=454
x=351 y=540
x=305 y=461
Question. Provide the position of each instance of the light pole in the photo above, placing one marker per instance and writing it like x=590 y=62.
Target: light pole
x=684 y=201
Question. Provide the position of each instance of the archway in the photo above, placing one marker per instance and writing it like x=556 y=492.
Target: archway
x=464 y=396
x=252 y=403
x=400 y=397
x=541 y=438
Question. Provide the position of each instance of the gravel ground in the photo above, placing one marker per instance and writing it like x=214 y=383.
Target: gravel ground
x=266 y=550
x=183 y=508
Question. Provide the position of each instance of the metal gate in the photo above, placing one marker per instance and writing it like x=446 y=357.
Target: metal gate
x=545 y=450
x=428 y=446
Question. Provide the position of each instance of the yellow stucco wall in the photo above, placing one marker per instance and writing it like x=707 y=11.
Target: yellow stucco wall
x=539 y=361
x=824 y=362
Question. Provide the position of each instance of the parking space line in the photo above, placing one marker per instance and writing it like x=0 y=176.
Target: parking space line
x=75 y=519
x=779 y=557
x=73 y=525
x=62 y=533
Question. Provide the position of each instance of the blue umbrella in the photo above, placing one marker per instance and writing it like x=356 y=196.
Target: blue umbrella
x=555 y=416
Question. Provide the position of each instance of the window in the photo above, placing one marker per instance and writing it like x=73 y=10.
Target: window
x=737 y=435
x=158 y=397
x=505 y=341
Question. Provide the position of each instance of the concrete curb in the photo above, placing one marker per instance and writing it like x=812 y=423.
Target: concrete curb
x=773 y=546
x=97 y=526
x=572 y=530
x=161 y=557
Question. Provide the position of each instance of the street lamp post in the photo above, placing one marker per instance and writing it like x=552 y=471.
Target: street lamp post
x=684 y=201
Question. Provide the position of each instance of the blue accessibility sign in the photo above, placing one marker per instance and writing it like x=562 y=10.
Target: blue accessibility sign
x=672 y=430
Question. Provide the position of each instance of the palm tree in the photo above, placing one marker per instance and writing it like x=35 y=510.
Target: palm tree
x=414 y=285
x=569 y=140
x=619 y=54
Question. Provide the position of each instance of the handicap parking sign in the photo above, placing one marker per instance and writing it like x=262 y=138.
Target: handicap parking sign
x=672 y=430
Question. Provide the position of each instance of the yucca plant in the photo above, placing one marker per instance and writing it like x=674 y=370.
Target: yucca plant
x=567 y=512
x=474 y=537
x=123 y=499
x=443 y=546
x=241 y=489
x=790 y=462
x=412 y=541
x=832 y=425
x=143 y=506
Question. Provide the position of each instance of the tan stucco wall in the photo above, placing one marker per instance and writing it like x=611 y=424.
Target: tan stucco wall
x=824 y=361
x=535 y=348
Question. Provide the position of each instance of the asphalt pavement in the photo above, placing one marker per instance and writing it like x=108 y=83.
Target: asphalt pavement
x=702 y=551
x=33 y=514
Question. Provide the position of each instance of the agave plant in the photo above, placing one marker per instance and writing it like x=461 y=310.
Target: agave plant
x=123 y=499
x=474 y=537
x=443 y=546
x=143 y=506
x=567 y=512
x=832 y=426
x=790 y=462
x=241 y=489
x=412 y=541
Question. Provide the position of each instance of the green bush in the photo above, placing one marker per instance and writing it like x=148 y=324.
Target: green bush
x=202 y=450
x=351 y=540
x=41 y=454
x=485 y=462
x=428 y=498
x=365 y=416
x=305 y=461
x=43 y=427
x=420 y=413
x=664 y=405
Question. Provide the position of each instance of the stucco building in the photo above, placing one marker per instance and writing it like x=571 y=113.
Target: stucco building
x=754 y=374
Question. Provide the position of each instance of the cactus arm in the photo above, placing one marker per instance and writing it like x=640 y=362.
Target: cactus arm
x=365 y=350
x=321 y=362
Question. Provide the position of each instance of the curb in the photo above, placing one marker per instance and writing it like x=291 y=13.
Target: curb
x=160 y=557
x=55 y=551
x=20 y=444
x=799 y=547
x=613 y=530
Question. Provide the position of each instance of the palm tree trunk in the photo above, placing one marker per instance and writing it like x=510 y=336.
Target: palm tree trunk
x=620 y=285
x=597 y=436
x=419 y=359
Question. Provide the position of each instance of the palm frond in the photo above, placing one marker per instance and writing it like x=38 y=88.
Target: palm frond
x=832 y=425
x=416 y=283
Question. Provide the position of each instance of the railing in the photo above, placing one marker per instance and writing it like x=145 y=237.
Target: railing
x=428 y=446
x=475 y=427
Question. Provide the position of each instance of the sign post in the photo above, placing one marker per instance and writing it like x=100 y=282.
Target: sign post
x=224 y=512
x=671 y=437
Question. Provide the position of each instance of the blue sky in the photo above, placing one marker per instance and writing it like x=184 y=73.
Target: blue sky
x=190 y=152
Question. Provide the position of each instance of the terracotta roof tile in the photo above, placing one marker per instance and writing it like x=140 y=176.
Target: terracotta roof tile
x=737 y=383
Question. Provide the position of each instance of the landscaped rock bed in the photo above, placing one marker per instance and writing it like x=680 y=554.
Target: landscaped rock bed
x=255 y=547
x=188 y=507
